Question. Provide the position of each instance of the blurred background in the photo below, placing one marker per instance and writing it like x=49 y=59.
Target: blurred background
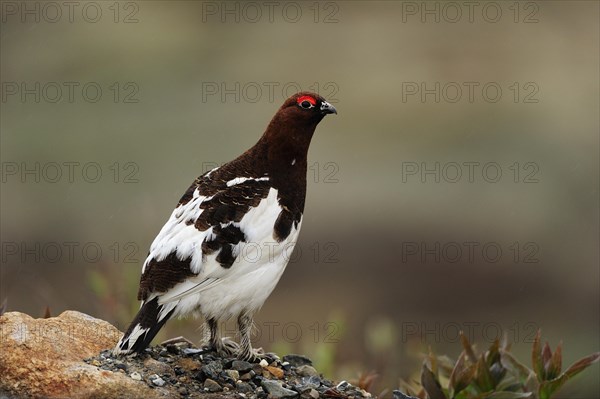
x=457 y=189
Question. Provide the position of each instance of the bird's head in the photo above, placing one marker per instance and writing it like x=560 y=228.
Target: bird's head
x=307 y=106
x=299 y=115
x=289 y=134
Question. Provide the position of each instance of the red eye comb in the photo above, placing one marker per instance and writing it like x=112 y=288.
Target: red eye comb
x=307 y=98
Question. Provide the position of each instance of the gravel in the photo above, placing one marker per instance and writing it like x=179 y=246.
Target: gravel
x=188 y=372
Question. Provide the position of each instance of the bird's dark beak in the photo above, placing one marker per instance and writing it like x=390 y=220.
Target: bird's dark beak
x=327 y=108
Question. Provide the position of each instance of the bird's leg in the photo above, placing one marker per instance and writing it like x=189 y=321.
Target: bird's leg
x=222 y=346
x=211 y=335
x=246 y=352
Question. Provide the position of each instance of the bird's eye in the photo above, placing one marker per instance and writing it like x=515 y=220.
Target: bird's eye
x=306 y=102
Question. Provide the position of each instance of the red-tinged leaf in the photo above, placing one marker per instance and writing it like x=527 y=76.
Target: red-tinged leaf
x=366 y=380
x=547 y=388
x=555 y=367
x=546 y=354
x=536 y=357
x=431 y=385
x=468 y=348
x=582 y=364
x=547 y=359
x=464 y=379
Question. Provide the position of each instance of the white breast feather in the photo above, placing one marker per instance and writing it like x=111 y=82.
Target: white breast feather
x=217 y=291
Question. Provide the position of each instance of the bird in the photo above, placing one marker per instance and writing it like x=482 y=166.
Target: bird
x=227 y=242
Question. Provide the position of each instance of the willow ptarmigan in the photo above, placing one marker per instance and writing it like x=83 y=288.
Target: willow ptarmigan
x=196 y=264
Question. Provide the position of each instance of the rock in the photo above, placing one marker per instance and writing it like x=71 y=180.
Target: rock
x=233 y=374
x=277 y=391
x=314 y=394
x=263 y=363
x=275 y=371
x=297 y=360
x=156 y=367
x=44 y=358
x=121 y=366
x=308 y=383
x=212 y=386
x=191 y=351
x=342 y=385
x=307 y=371
x=212 y=370
x=135 y=376
x=156 y=380
x=257 y=368
x=241 y=366
x=244 y=387
x=399 y=395
x=247 y=376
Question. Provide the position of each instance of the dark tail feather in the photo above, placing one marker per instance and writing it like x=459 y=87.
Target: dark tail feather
x=144 y=327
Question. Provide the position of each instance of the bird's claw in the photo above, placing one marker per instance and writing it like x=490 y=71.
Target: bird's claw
x=252 y=356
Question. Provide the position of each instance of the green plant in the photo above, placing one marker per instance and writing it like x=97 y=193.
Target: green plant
x=494 y=374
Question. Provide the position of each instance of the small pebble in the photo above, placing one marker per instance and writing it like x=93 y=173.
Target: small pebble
x=297 y=360
x=212 y=386
x=277 y=372
x=244 y=387
x=277 y=391
x=241 y=366
x=307 y=371
x=263 y=363
x=190 y=351
x=159 y=382
x=135 y=376
x=247 y=376
x=233 y=374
